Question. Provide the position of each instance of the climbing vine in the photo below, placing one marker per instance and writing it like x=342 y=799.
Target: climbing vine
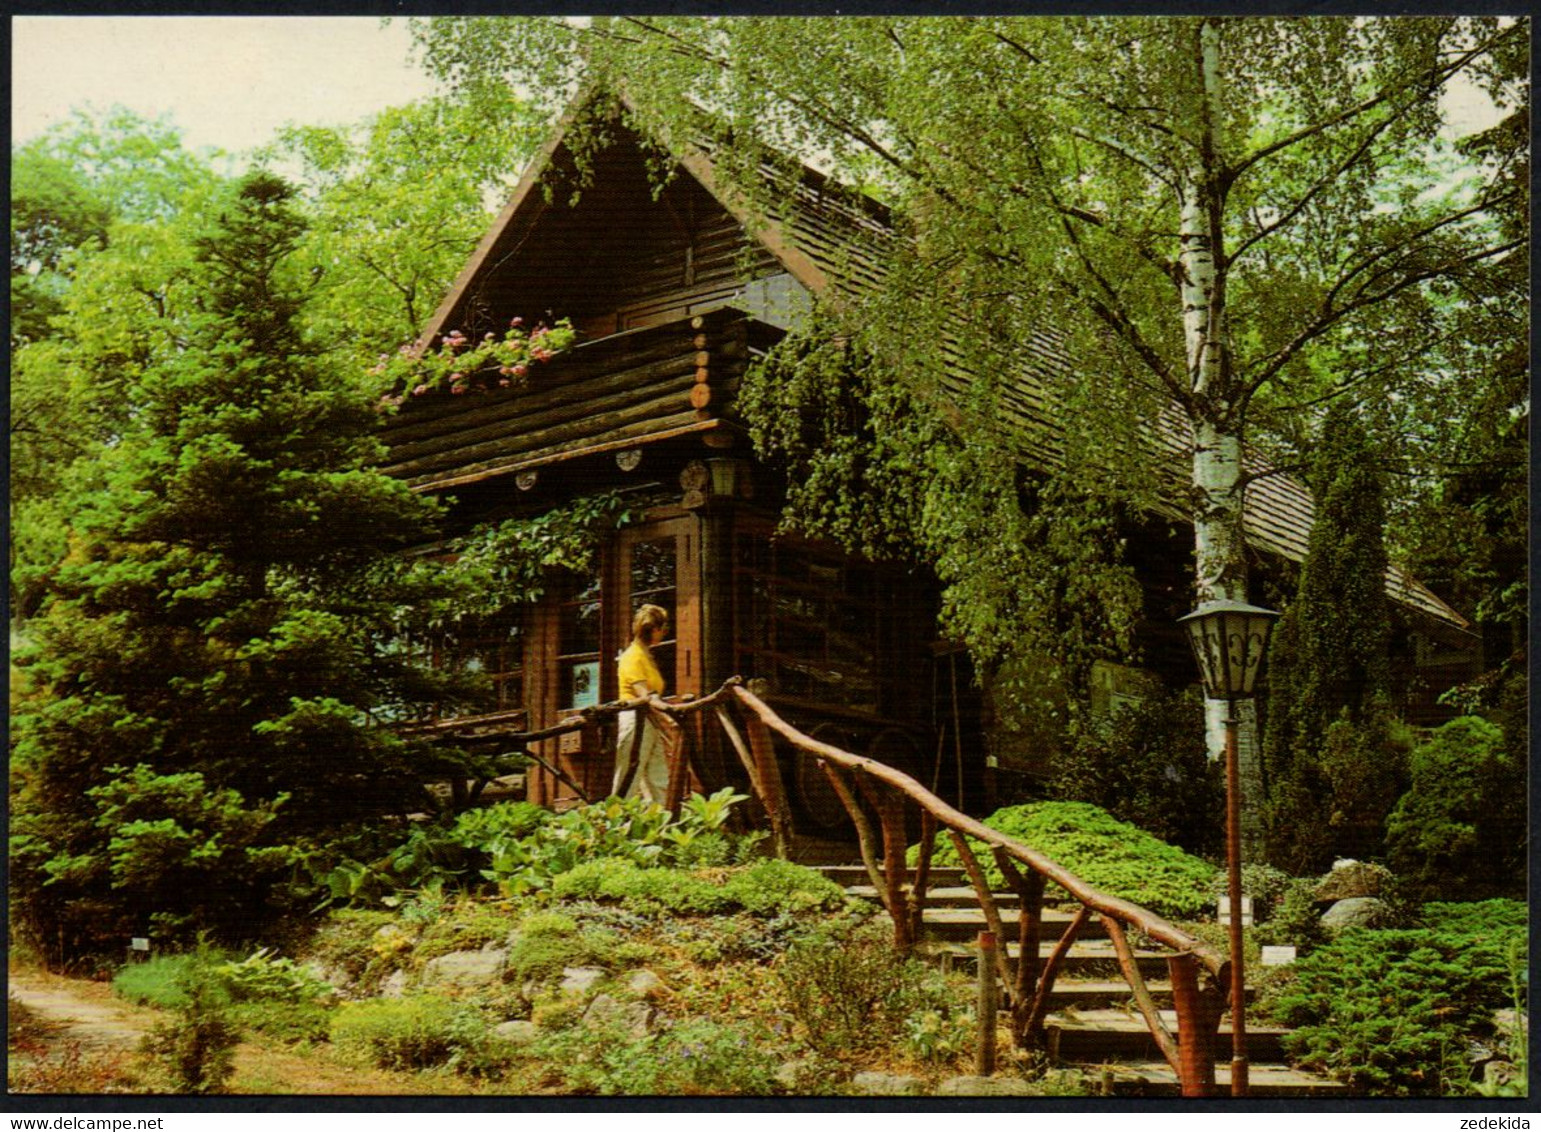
x=498 y=567
x=1031 y=564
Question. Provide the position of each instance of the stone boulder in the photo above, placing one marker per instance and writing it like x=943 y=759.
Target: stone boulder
x=465 y=968
x=581 y=980
x=634 y=1017
x=886 y=1085
x=1349 y=879
x=395 y=985
x=517 y=1031
x=643 y=983
x=985 y=1087
x=1355 y=911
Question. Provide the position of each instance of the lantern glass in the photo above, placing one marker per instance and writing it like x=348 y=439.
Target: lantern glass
x=1229 y=639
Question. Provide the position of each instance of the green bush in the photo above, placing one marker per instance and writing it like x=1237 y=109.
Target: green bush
x=261 y=975
x=698 y=1057
x=849 y=990
x=410 y=1033
x=1385 y=1011
x=1460 y=828
x=288 y=1022
x=649 y=891
x=197 y=1048
x=1147 y=765
x=1478 y=918
x=774 y=886
x=1108 y=854
x=159 y=982
x=464 y=925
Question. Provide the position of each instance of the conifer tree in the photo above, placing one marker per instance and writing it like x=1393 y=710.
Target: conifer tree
x=219 y=634
x=1330 y=780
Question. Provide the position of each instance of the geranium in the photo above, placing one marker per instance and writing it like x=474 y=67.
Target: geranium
x=460 y=366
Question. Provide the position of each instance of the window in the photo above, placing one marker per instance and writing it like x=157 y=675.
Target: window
x=578 y=645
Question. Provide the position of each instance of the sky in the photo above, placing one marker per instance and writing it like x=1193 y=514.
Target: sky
x=228 y=82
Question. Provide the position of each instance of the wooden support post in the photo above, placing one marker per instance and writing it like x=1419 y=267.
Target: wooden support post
x=1033 y=1026
x=1198 y=1025
x=922 y=873
x=780 y=833
x=1142 y=996
x=891 y=816
x=1029 y=889
x=986 y=900
x=676 y=743
x=984 y=1046
x=864 y=838
x=770 y=779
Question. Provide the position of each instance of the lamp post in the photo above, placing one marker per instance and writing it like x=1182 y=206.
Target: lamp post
x=1229 y=639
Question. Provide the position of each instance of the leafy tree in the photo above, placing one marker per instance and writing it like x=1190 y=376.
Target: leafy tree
x=221 y=625
x=396 y=205
x=1331 y=769
x=1211 y=215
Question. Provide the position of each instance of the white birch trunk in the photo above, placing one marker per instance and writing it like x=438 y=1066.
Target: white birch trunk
x=1218 y=490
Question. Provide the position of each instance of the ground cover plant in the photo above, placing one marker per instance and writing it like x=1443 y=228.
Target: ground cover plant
x=1118 y=858
x=1392 y=1011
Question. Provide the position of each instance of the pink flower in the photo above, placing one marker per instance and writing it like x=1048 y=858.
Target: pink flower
x=504 y=382
x=457 y=377
x=487 y=337
x=520 y=370
x=516 y=321
x=420 y=390
x=457 y=389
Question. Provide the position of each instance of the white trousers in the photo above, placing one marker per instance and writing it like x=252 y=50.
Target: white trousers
x=652 y=778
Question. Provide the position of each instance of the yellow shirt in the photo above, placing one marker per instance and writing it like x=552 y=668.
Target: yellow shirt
x=637 y=667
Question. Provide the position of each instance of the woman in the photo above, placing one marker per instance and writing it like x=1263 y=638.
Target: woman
x=640 y=678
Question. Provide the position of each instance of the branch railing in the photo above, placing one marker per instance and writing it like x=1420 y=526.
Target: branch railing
x=869 y=789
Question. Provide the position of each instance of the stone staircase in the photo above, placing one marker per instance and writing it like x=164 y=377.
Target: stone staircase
x=1093 y=1023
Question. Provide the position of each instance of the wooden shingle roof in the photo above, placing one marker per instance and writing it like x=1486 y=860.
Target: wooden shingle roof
x=832 y=241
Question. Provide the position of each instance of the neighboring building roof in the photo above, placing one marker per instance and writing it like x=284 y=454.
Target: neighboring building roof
x=830 y=239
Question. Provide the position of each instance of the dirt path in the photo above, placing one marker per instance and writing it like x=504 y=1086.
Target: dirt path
x=82 y=1011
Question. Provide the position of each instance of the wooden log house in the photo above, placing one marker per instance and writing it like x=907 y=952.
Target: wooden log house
x=673 y=293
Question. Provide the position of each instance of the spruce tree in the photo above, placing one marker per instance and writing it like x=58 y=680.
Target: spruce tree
x=219 y=634
x=1331 y=777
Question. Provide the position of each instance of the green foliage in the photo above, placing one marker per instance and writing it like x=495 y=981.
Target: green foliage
x=1328 y=752
x=1147 y=765
x=766 y=888
x=1460 y=828
x=1106 y=853
x=220 y=624
x=159 y=981
x=697 y=1057
x=1478 y=917
x=414 y=1032
x=197 y=1049
x=1382 y=1010
x=262 y=975
x=849 y=991
x=459 y=366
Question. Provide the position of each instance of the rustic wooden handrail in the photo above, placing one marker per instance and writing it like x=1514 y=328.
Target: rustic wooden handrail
x=1190 y=1051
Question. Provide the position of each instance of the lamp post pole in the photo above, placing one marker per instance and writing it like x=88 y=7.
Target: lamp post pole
x=1229 y=639
x=1233 y=891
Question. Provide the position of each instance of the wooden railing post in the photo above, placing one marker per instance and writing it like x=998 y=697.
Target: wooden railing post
x=1198 y=1026
x=1029 y=889
x=922 y=873
x=986 y=900
x=984 y=1046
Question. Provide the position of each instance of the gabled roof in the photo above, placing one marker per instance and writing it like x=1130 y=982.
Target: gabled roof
x=831 y=240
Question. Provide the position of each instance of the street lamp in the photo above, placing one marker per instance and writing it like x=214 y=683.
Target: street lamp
x=1229 y=639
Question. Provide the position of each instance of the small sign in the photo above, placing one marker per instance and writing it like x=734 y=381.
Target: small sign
x=1278 y=956
x=1246 y=911
x=139 y=943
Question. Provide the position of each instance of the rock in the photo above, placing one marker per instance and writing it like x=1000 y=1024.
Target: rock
x=642 y=983
x=465 y=968
x=334 y=976
x=605 y=1010
x=581 y=980
x=395 y=985
x=789 y=1074
x=1350 y=879
x=518 y=1031
x=984 y=1087
x=1356 y=911
x=1498 y=1075
x=887 y=1085
x=1509 y=1021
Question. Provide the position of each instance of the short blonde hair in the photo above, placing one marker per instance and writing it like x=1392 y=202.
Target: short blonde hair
x=649 y=617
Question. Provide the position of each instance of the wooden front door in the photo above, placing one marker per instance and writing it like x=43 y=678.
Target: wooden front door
x=659 y=564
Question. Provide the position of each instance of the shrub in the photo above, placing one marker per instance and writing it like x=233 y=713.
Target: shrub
x=773 y=886
x=1382 y=1010
x=1111 y=855
x=698 y=1057
x=850 y=991
x=262 y=976
x=1148 y=765
x=1460 y=828
x=159 y=982
x=410 y=1033
x=649 y=891
x=1478 y=918
x=197 y=1048
x=288 y=1022
x=464 y=925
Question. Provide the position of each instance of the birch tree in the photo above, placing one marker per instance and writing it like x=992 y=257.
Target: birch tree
x=1225 y=222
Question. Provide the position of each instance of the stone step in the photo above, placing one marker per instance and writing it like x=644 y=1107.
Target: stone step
x=1155 y=1078
x=942 y=896
x=1113 y=1034
x=1091 y=959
